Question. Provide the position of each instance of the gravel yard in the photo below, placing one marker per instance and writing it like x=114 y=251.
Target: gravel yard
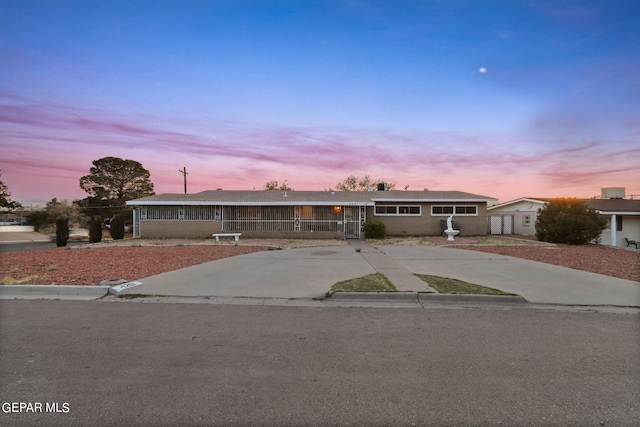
x=135 y=259
x=90 y=266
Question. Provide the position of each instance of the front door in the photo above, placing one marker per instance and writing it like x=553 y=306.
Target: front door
x=351 y=222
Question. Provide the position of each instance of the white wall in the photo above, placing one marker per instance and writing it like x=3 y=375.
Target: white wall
x=519 y=211
x=630 y=230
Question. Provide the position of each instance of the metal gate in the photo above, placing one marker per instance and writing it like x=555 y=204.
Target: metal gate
x=501 y=224
x=351 y=222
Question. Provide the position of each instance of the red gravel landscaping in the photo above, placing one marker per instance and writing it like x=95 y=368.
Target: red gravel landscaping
x=90 y=266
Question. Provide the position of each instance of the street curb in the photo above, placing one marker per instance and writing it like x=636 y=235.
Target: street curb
x=425 y=297
x=476 y=298
x=376 y=296
x=118 y=289
x=52 y=292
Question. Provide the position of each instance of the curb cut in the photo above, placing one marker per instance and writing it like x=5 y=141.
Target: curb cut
x=476 y=298
x=52 y=292
x=376 y=296
x=427 y=297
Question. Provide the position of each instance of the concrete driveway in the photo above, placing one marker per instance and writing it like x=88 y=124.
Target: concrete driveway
x=289 y=273
x=537 y=282
x=310 y=272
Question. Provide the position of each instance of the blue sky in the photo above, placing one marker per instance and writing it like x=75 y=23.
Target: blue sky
x=500 y=98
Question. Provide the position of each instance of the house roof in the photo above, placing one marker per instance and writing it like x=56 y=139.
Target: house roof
x=605 y=206
x=611 y=206
x=521 y=199
x=329 y=198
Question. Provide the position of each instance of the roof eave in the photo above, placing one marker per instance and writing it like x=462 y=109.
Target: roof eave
x=433 y=200
x=617 y=212
x=230 y=203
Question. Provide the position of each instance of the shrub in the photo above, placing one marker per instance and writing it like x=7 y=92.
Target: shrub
x=569 y=221
x=374 y=230
x=39 y=220
x=62 y=231
x=117 y=227
x=95 y=230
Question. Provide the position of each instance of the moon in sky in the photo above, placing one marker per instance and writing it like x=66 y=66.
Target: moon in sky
x=482 y=70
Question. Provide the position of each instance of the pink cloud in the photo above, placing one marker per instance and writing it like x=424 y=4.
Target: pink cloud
x=47 y=142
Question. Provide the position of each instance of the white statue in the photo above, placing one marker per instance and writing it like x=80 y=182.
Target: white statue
x=449 y=223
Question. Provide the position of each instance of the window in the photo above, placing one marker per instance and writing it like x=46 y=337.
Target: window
x=162 y=213
x=466 y=210
x=409 y=210
x=454 y=210
x=442 y=210
x=398 y=210
x=202 y=213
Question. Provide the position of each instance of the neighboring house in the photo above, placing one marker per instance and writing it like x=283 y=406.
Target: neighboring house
x=519 y=217
x=515 y=217
x=307 y=214
x=624 y=220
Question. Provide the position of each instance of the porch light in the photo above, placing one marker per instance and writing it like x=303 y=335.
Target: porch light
x=337 y=208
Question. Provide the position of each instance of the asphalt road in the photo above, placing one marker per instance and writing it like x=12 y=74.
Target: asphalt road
x=131 y=363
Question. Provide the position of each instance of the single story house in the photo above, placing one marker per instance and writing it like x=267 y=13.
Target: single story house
x=306 y=214
x=519 y=217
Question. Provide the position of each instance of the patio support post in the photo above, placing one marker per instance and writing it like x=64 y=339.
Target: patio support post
x=614 y=229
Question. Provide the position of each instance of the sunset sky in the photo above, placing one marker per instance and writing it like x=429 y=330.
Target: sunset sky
x=500 y=98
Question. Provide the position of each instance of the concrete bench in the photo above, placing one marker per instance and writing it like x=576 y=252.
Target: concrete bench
x=236 y=236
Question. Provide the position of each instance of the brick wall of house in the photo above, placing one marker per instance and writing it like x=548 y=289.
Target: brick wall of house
x=428 y=225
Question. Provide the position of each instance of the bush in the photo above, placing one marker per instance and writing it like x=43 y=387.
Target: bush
x=39 y=220
x=117 y=227
x=95 y=230
x=374 y=230
x=62 y=231
x=569 y=221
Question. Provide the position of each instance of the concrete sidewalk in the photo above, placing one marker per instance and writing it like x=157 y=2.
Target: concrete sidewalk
x=403 y=279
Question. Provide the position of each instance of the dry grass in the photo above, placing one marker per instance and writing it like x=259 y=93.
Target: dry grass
x=372 y=283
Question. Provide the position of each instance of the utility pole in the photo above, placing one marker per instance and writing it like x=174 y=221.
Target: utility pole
x=184 y=172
